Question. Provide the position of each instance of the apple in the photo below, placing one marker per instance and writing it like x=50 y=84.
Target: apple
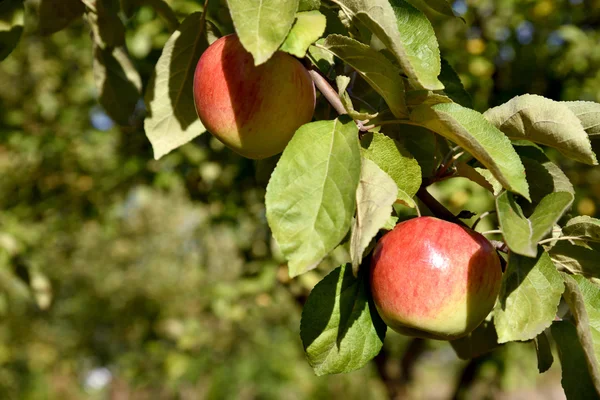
x=254 y=110
x=434 y=279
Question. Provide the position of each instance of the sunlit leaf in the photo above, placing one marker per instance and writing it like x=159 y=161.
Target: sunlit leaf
x=375 y=195
x=588 y=113
x=470 y=130
x=311 y=198
x=394 y=160
x=262 y=25
x=406 y=32
x=523 y=234
x=172 y=119
x=529 y=297
x=373 y=66
x=309 y=27
x=543 y=121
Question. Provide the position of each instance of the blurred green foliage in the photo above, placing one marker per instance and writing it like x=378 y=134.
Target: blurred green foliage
x=126 y=277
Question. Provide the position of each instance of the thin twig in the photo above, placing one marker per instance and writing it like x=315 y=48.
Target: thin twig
x=492 y=232
x=561 y=238
x=482 y=216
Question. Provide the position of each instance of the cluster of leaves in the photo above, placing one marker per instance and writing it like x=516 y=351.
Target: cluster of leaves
x=406 y=115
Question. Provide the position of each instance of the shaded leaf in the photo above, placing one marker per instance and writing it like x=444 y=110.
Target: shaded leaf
x=583 y=226
x=471 y=131
x=583 y=299
x=394 y=160
x=342 y=83
x=453 y=87
x=545 y=177
x=340 y=330
x=321 y=58
x=311 y=198
x=543 y=121
x=523 y=234
x=172 y=120
x=543 y=352
x=308 y=5
x=373 y=66
x=375 y=195
x=481 y=341
x=262 y=25
x=11 y=26
x=588 y=113
x=107 y=29
x=406 y=32
x=118 y=82
x=576 y=380
x=420 y=143
x=309 y=27
x=576 y=259
x=529 y=297
x=480 y=176
x=440 y=6
x=51 y=16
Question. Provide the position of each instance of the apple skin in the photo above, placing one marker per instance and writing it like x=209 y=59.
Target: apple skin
x=254 y=110
x=434 y=279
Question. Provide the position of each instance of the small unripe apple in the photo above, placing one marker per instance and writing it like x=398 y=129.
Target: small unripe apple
x=434 y=279
x=254 y=110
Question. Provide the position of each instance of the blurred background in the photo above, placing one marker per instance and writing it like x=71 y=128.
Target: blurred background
x=122 y=277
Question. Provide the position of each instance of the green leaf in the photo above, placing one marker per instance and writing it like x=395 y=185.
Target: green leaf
x=373 y=66
x=262 y=25
x=482 y=340
x=583 y=298
x=406 y=32
x=375 y=195
x=480 y=176
x=470 y=130
x=544 y=178
x=453 y=87
x=543 y=352
x=441 y=6
x=420 y=143
x=308 y=5
x=577 y=259
x=309 y=27
x=311 y=198
x=523 y=234
x=342 y=83
x=118 y=82
x=529 y=297
x=321 y=58
x=172 y=120
x=543 y=121
x=340 y=330
x=588 y=113
x=107 y=29
x=576 y=380
x=51 y=16
x=583 y=226
x=11 y=26
x=394 y=160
